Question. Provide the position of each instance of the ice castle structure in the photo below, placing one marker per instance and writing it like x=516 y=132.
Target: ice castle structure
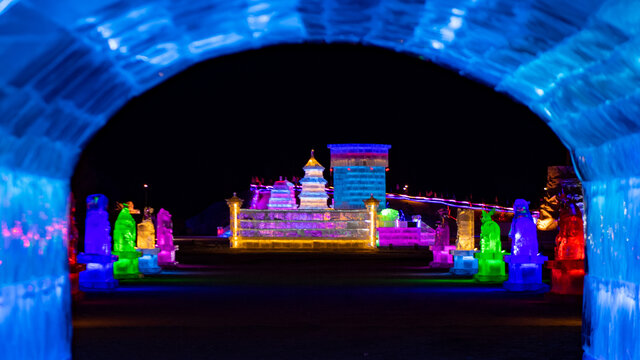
x=283 y=196
x=97 y=255
x=124 y=246
x=68 y=66
x=359 y=171
x=525 y=263
x=313 y=195
x=491 y=266
x=148 y=260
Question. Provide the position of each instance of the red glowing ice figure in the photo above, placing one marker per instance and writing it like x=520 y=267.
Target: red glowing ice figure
x=164 y=234
x=567 y=274
x=72 y=246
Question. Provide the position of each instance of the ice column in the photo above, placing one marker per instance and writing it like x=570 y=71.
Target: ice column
x=464 y=263
x=167 y=255
x=525 y=264
x=148 y=261
x=491 y=265
x=97 y=247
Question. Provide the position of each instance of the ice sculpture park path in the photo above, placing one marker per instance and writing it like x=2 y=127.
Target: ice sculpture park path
x=223 y=304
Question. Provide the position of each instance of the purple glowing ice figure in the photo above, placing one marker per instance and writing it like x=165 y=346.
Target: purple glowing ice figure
x=164 y=234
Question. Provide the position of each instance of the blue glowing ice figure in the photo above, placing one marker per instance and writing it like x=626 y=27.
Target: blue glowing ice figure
x=97 y=256
x=525 y=264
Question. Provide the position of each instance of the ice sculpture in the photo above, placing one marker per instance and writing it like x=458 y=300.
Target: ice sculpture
x=359 y=170
x=572 y=62
x=525 y=264
x=567 y=274
x=491 y=266
x=97 y=247
x=283 y=196
x=464 y=263
x=74 y=267
x=164 y=233
x=313 y=194
x=148 y=261
x=442 y=248
x=124 y=246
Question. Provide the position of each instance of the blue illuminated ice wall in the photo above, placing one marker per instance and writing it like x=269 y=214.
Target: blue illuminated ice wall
x=66 y=66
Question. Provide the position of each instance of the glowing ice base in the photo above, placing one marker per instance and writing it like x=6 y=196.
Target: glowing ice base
x=148 y=261
x=491 y=267
x=464 y=263
x=525 y=273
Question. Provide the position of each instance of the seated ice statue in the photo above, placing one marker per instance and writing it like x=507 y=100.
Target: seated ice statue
x=491 y=267
x=525 y=264
x=124 y=245
x=148 y=262
x=164 y=233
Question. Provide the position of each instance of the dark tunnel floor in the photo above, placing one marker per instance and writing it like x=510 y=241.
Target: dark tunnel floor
x=224 y=304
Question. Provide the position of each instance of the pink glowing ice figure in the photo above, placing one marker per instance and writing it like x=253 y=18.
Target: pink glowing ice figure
x=442 y=257
x=164 y=234
x=524 y=238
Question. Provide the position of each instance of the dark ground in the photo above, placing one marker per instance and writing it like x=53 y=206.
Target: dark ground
x=224 y=304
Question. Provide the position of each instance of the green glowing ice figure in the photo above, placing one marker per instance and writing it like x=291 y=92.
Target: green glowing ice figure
x=124 y=246
x=124 y=232
x=491 y=266
x=489 y=234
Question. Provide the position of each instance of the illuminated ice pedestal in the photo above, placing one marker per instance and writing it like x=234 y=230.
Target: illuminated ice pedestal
x=124 y=246
x=97 y=247
x=464 y=263
x=567 y=274
x=148 y=261
x=359 y=171
x=313 y=194
x=525 y=264
x=491 y=266
x=283 y=196
x=442 y=247
x=164 y=234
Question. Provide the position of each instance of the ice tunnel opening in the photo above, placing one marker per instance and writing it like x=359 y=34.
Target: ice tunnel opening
x=269 y=107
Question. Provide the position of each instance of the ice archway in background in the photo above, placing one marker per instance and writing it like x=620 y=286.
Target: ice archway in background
x=66 y=66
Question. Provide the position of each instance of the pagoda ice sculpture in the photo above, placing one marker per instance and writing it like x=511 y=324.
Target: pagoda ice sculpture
x=124 y=246
x=464 y=263
x=525 y=263
x=283 y=196
x=491 y=266
x=313 y=194
x=164 y=233
x=97 y=247
x=567 y=274
x=442 y=248
x=148 y=261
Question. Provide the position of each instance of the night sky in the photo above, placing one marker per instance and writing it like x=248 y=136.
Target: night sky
x=204 y=133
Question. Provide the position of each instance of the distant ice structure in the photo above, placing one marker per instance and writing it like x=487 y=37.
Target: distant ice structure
x=283 y=196
x=464 y=262
x=359 y=171
x=442 y=248
x=164 y=233
x=525 y=264
x=97 y=247
x=491 y=266
x=393 y=232
x=148 y=261
x=124 y=246
x=567 y=274
x=313 y=195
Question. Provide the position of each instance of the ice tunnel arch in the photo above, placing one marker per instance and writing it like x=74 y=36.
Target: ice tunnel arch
x=66 y=66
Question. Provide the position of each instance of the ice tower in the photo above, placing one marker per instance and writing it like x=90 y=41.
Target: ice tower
x=283 y=196
x=313 y=194
x=359 y=171
x=97 y=247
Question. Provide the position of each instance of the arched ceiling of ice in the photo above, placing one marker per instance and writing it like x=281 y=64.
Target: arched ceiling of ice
x=66 y=66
